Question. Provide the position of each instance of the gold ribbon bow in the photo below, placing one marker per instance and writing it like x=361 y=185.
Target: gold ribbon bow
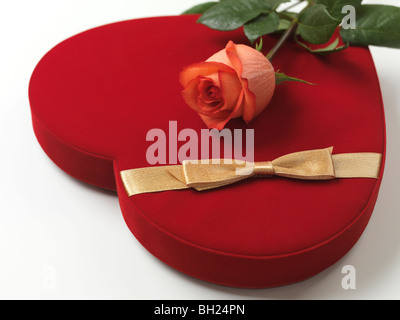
x=208 y=174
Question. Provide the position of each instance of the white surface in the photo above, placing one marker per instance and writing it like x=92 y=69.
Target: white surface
x=62 y=239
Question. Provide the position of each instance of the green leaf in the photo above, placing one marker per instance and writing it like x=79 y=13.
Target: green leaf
x=333 y=47
x=377 y=25
x=285 y=19
x=232 y=14
x=259 y=46
x=316 y=25
x=200 y=8
x=335 y=6
x=281 y=77
x=262 y=25
x=283 y=25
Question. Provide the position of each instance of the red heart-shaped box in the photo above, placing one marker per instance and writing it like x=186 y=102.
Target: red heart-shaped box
x=95 y=96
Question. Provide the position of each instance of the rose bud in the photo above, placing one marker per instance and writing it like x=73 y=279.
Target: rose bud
x=237 y=81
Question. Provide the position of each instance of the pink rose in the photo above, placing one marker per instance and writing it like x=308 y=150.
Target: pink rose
x=237 y=81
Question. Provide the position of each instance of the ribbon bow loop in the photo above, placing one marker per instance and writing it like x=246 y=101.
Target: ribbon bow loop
x=207 y=174
x=310 y=165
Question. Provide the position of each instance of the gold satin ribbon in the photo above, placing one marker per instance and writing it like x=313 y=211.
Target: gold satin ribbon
x=208 y=174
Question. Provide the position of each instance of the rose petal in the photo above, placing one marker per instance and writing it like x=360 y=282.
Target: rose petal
x=249 y=96
x=205 y=87
x=202 y=69
x=230 y=57
x=231 y=88
x=218 y=123
x=191 y=92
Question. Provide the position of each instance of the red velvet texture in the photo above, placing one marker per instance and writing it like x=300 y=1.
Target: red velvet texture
x=95 y=96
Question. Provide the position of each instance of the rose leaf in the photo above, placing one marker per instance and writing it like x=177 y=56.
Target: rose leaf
x=262 y=25
x=335 y=6
x=232 y=14
x=376 y=25
x=316 y=25
x=281 y=77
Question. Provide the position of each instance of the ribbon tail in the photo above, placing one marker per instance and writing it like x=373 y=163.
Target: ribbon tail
x=153 y=179
x=357 y=165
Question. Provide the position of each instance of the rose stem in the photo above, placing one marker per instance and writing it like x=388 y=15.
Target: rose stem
x=292 y=28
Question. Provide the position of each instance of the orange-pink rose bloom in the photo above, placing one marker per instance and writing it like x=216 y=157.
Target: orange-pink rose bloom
x=237 y=81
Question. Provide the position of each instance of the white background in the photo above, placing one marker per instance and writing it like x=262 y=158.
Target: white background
x=62 y=239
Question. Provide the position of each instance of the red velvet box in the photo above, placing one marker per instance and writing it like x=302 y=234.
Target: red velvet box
x=96 y=95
